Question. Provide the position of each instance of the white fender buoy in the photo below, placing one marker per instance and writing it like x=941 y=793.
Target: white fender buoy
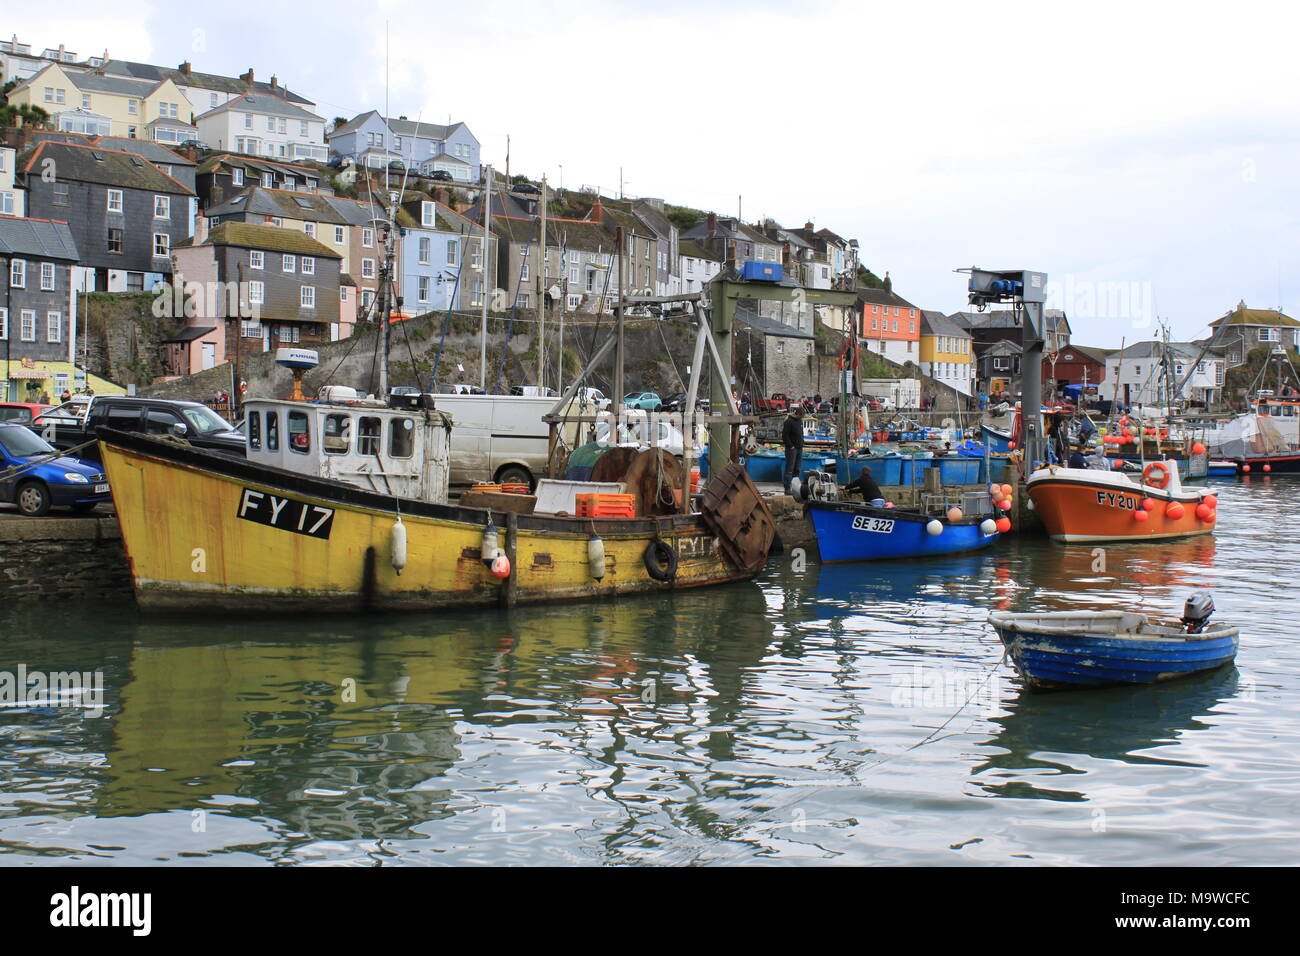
x=934 y=526
x=398 y=540
x=490 y=547
x=796 y=489
x=596 y=556
x=1029 y=503
x=988 y=526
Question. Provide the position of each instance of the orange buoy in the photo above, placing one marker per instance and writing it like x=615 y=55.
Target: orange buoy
x=1210 y=518
x=1004 y=524
x=1006 y=490
x=501 y=566
x=1203 y=511
x=1211 y=500
x=1173 y=511
x=1148 y=505
x=954 y=514
x=1246 y=469
x=1004 y=504
x=1139 y=515
x=1198 y=449
x=1267 y=467
x=1011 y=446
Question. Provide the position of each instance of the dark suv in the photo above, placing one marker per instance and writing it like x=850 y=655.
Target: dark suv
x=193 y=421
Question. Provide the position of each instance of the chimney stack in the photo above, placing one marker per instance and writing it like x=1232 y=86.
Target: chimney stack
x=185 y=67
x=809 y=226
x=274 y=81
x=248 y=77
x=597 y=213
x=713 y=224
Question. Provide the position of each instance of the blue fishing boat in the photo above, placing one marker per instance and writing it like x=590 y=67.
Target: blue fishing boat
x=1078 y=649
x=999 y=442
x=853 y=531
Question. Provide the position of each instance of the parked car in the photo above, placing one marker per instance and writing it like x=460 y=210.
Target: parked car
x=593 y=396
x=62 y=482
x=193 y=421
x=22 y=412
x=637 y=434
x=676 y=402
x=441 y=175
x=779 y=402
x=646 y=400
x=526 y=188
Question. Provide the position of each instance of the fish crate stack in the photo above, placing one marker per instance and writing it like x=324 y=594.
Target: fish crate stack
x=971 y=503
x=597 y=505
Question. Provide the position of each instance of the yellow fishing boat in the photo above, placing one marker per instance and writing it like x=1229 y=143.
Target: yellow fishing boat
x=207 y=531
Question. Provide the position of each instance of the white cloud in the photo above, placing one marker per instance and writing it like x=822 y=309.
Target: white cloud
x=1121 y=142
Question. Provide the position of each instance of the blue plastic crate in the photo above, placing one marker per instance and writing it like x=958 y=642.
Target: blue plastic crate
x=762 y=272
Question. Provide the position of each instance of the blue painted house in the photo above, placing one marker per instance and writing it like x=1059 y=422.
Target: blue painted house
x=370 y=139
x=436 y=241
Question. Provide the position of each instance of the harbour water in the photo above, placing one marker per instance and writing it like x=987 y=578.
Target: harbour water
x=851 y=714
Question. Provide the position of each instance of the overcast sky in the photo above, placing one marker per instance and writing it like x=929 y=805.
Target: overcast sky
x=1144 y=155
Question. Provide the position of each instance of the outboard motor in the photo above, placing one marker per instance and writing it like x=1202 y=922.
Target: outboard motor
x=1197 y=611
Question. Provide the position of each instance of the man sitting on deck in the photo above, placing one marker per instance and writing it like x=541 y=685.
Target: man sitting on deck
x=1076 y=458
x=866 y=485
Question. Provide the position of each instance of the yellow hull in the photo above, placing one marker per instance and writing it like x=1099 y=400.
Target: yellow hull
x=202 y=531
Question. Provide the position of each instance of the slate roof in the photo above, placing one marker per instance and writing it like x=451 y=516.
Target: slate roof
x=259 y=165
x=694 y=249
x=154 y=152
x=281 y=203
x=399 y=126
x=205 y=81
x=936 y=323
x=1244 y=316
x=249 y=235
x=118 y=85
x=760 y=323
x=881 y=297
x=357 y=212
x=36 y=238
x=108 y=167
x=1152 y=349
x=262 y=103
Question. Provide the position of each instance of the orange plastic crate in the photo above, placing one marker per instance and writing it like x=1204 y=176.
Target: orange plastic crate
x=514 y=488
x=596 y=505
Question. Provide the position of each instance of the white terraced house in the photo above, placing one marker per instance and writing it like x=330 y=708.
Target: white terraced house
x=259 y=124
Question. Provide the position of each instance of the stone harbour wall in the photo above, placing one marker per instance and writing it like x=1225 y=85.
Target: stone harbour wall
x=58 y=557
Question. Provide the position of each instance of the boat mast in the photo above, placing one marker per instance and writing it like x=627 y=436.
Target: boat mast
x=484 y=261
x=541 y=298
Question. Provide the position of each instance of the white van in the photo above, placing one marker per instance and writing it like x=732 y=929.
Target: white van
x=497 y=437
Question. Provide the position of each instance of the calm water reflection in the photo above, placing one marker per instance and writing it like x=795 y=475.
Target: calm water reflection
x=770 y=720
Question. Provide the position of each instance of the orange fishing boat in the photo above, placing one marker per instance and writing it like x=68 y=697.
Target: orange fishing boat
x=1084 y=504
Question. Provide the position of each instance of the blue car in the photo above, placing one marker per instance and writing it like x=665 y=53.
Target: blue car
x=62 y=482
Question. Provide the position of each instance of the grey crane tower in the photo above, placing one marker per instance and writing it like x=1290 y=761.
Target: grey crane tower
x=1026 y=291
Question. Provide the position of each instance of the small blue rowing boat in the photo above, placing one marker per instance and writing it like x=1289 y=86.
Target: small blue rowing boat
x=1078 y=649
x=852 y=531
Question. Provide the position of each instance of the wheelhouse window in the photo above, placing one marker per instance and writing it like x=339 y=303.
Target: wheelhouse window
x=272 y=431
x=299 y=433
x=401 y=438
x=255 y=430
x=337 y=436
x=368 y=436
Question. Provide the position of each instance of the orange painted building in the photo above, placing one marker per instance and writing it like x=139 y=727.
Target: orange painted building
x=889 y=325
